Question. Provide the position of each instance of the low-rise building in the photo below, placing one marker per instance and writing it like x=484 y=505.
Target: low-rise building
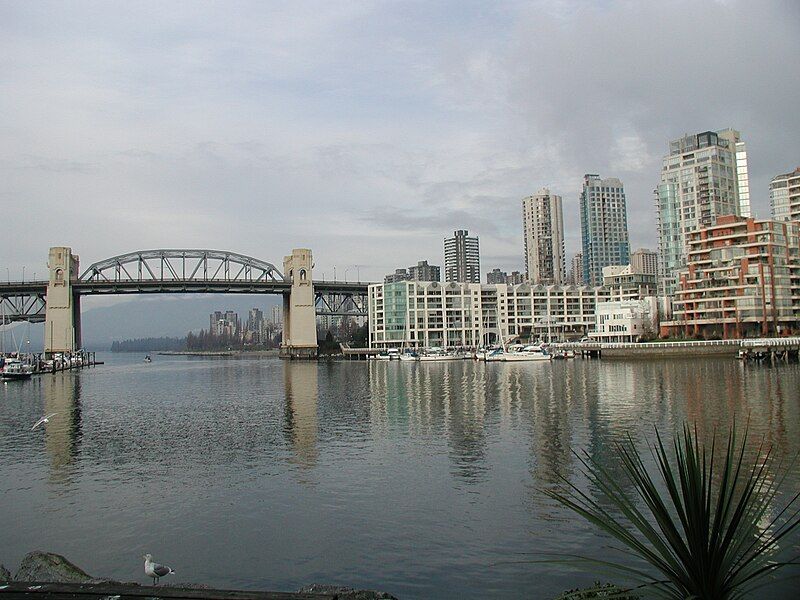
x=742 y=279
x=398 y=275
x=626 y=320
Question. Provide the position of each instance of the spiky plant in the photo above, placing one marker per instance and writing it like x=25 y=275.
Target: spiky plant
x=709 y=529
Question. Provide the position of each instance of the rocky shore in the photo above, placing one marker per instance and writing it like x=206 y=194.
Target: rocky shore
x=40 y=567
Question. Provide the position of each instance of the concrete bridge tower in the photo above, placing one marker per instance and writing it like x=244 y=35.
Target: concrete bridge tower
x=299 y=313
x=62 y=329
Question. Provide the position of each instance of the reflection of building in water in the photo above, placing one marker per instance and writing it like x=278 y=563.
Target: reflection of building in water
x=62 y=393
x=301 y=386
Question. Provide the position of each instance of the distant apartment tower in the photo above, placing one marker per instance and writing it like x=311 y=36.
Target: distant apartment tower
x=462 y=262
x=645 y=261
x=703 y=177
x=255 y=319
x=422 y=271
x=498 y=276
x=277 y=315
x=784 y=196
x=604 y=226
x=576 y=271
x=398 y=275
x=543 y=229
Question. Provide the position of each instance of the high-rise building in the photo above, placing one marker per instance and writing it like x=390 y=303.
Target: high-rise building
x=645 y=261
x=462 y=262
x=543 y=228
x=422 y=271
x=255 y=317
x=703 y=177
x=576 y=271
x=604 y=226
x=784 y=196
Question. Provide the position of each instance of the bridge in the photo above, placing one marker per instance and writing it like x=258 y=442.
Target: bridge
x=56 y=301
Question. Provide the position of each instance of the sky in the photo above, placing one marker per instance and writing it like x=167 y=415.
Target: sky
x=366 y=131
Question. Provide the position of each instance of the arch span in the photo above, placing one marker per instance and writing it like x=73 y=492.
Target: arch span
x=182 y=265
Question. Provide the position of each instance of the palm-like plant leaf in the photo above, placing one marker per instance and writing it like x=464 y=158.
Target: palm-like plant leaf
x=702 y=524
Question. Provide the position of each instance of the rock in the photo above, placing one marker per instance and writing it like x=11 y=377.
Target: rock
x=345 y=593
x=45 y=566
x=5 y=574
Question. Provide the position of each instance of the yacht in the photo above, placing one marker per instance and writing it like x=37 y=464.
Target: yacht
x=15 y=369
x=437 y=354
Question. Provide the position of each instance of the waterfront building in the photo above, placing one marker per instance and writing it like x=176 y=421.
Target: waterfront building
x=422 y=271
x=703 y=177
x=277 y=315
x=604 y=226
x=645 y=261
x=462 y=263
x=576 y=271
x=626 y=320
x=543 y=230
x=453 y=315
x=742 y=279
x=784 y=196
x=625 y=282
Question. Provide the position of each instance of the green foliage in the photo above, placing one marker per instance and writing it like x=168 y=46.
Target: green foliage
x=711 y=528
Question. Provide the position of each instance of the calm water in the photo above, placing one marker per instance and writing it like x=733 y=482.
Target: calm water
x=420 y=479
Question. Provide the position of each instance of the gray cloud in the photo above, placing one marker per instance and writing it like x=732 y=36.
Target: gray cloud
x=366 y=132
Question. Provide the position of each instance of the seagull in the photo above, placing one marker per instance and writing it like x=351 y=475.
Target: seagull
x=155 y=570
x=44 y=419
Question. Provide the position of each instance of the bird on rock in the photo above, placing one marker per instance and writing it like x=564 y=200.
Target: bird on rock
x=155 y=570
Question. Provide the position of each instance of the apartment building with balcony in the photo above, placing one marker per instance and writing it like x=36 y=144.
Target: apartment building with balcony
x=468 y=315
x=742 y=280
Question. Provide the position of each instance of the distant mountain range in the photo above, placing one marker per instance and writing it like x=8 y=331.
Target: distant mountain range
x=149 y=316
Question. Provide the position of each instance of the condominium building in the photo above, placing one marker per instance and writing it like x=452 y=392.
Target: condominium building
x=576 y=271
x=784 y=196
x=625 y=282
x=428 y=314
x=543 y=229
x=645 y=261
x=398 y=275
x=604 y=226
x=498 y=276
x=422 y=271
x=703 y=177
x=462 y=262
x=742 y=279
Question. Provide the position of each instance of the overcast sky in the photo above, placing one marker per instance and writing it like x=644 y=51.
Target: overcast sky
x=367 y=131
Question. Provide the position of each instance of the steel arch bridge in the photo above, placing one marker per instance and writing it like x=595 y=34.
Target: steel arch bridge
x=179 y=271
x=181 y=265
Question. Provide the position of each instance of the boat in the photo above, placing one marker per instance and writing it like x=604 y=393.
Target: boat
x=15 y=370
x=409 y=355
x=528 y=353
x=437 y=354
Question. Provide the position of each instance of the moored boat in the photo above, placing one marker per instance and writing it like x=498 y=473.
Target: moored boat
x=15 y=369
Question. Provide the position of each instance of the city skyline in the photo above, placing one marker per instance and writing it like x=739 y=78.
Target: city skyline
x=318 y=135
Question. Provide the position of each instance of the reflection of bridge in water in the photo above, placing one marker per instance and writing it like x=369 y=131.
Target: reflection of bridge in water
x=57 y=301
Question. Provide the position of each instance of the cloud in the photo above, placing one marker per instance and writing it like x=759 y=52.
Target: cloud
x=367 y=131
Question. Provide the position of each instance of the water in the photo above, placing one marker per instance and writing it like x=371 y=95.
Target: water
x=423 y=480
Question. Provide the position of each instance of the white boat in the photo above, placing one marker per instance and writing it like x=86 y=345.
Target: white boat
x=437 y=354
x=525 y=355
x=409 y=356
x=15 y=369
x=394 y=354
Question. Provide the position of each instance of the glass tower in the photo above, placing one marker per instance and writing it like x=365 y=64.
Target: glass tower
x=604 y=227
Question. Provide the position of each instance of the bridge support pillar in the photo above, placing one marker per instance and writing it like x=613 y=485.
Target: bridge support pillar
x=62 y=327
x=299 y=313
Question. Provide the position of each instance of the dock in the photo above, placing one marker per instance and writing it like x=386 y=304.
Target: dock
x=784 y=348
x=129 y=591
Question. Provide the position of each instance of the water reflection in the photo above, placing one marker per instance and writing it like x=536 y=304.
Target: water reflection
x=62 y=395
x=300 y=425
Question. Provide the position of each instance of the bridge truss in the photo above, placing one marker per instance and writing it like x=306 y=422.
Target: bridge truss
x=185 y=266
x=22 y=306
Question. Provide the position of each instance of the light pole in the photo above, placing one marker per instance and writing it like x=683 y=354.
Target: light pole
x=23 y=274
x=334 y=272
x=345 y=274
